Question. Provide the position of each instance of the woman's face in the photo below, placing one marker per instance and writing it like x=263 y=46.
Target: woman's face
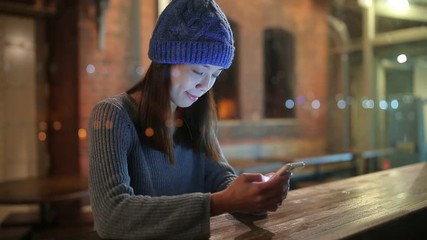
x=190 y=81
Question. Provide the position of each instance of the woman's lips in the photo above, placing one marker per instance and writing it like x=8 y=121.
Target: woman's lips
x=192 y=97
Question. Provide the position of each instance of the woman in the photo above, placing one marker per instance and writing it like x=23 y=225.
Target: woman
x=156 y=168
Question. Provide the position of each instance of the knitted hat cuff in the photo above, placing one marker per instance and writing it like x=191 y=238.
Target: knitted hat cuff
x=186 y=52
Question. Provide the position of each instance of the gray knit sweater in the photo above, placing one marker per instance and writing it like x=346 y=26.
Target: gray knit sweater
x=135 y=192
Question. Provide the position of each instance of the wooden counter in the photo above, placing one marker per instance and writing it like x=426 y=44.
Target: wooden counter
x=377 y=204
x=388 y=204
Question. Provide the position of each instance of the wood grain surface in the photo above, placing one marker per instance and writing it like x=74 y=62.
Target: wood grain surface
x=336 y=210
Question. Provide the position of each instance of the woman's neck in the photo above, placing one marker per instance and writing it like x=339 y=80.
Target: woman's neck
x=173 y=109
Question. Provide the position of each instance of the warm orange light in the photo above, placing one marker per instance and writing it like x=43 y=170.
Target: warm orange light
x=179 y=122
x=149 y=132
x=43 y=126
x=82 y=134
x=226 y=108
x=57 y=125
x=42 y=136
x=169 y=123
x=109 y=124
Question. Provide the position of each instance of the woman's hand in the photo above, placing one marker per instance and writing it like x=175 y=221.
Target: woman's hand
x=249 y=193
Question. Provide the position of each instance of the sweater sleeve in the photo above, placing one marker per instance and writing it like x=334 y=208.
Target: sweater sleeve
x=118 y=212
x=219 y=175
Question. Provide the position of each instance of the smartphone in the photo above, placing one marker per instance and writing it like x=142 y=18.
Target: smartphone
x=289 y=167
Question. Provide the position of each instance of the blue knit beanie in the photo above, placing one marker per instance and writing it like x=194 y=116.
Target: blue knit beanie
x=192 y=32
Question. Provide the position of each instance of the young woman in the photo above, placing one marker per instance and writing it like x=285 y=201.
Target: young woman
x=156 y=168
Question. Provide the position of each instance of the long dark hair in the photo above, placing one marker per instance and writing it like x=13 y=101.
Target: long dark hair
x=196 y=125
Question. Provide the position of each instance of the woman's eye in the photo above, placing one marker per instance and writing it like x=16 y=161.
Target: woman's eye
x=197 y=72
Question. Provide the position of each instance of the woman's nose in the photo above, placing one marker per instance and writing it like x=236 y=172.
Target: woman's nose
x=204 y=84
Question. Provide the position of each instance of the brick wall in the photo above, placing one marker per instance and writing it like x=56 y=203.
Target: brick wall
x=307 y=21
x=112 y=70
x=128 y=27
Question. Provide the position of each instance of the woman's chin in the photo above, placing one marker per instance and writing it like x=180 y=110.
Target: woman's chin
x=185 y=105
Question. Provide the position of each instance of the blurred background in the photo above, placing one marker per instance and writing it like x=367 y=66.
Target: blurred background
x=309 y=77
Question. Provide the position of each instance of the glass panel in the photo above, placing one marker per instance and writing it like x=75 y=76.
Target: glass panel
x=387 y=50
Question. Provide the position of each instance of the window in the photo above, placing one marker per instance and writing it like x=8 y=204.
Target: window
x=226 y=86
x=279 y=74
